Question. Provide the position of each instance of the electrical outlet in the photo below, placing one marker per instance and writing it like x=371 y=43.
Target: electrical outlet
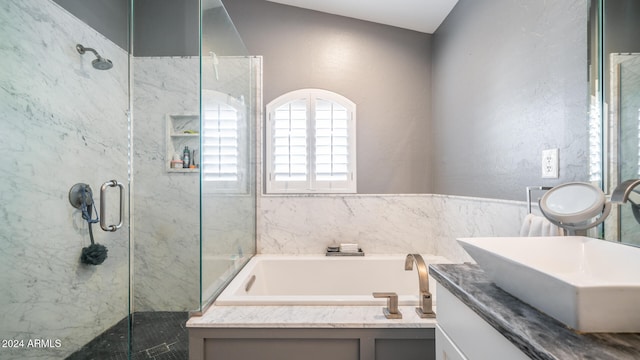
x=550 y=163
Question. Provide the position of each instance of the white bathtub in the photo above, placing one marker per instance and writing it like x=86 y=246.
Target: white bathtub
x=215 y=271
x=324 y=280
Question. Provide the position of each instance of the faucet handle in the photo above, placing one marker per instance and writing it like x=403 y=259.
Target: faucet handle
x=425 y=310
x=391 y=311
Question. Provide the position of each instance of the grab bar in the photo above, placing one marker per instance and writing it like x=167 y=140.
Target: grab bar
x=250 y=283
x=103 y=205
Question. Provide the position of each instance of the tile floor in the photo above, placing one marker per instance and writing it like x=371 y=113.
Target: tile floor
x=157 y=335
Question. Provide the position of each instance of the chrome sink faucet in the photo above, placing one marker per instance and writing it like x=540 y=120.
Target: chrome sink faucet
x=425 y=309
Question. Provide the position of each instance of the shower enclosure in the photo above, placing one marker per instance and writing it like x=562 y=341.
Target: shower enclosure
x=616 y=55
x=625 y=111
x=66 y=121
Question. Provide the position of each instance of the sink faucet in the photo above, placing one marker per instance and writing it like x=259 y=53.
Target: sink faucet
x=425 y=309
x=621 y=195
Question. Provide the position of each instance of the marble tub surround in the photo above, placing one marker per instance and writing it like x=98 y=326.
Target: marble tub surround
x=382 y=224
x=63 y=122
x=307 y=317
x=534 y=333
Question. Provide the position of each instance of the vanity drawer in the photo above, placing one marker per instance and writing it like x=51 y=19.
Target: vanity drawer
x=469 y=333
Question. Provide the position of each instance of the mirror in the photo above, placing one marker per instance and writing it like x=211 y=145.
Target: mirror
x=571 y=206
x=615 y=105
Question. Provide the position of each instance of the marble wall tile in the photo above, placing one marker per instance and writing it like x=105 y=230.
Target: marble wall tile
x=167 y=206
x=382 y=224
x=457 y=216
x=62 y=122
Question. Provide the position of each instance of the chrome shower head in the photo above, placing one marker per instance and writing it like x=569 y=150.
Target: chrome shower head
x=102 y=64
x=99 y=63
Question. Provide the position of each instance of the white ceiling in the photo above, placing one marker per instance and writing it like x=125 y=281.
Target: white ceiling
x=419 y=15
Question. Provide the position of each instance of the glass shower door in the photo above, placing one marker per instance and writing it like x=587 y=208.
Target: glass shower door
x=63 y=121
x=627 y=98
x=230 y=100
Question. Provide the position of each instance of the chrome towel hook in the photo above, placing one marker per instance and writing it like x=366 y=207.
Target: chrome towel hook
x=103 y=207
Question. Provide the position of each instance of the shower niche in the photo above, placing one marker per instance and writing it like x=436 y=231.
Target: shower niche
x=182 y=130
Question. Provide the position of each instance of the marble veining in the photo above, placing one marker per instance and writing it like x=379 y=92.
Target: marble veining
x=63 y=122
x=534 y=333
x=307 y=317
x=166 y=207
x=382 y=224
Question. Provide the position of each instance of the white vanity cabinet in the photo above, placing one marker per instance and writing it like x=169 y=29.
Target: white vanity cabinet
x=463 y=335
x=446 y=349
x=479 y=321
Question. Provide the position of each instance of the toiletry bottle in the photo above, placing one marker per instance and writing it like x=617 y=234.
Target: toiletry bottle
x=192 y=165
x=176 y=163
x=185 y=157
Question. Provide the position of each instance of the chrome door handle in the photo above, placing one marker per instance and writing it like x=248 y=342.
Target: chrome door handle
x=103 y=205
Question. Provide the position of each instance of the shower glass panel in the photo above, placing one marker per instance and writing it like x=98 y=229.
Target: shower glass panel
x=230 y=101
x=64 y=121
x=619 y=53
x=627 y=99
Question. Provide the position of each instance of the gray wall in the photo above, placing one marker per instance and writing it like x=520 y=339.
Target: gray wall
x=161 y=27
x=166 y=28
x=622 y=26
x=171 y=28
x=509 y=80
x=219 y=34
x=384 y=70
x=110 y=18
x=622 y=31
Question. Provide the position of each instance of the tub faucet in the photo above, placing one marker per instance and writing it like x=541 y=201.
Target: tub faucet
x=425 y=309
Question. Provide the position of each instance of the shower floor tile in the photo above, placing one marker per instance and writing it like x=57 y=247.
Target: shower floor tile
x=157 y=335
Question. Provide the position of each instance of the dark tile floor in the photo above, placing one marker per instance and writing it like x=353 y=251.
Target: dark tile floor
x=157 y=335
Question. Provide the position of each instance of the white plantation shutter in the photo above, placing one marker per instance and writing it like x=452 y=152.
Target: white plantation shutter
x=311 y=143
x=290 y=141
x=332 y=141
x=223 y=157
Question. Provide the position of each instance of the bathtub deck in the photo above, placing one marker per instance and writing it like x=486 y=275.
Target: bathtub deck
x=310 y=332
x=307 y=317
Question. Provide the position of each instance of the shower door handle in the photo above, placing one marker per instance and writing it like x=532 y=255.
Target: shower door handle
x=103 y=206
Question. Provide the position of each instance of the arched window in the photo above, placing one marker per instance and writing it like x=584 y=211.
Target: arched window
x=311 y=143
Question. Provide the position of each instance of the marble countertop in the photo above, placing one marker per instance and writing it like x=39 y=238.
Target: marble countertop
x=534 y=333
x=306 y=317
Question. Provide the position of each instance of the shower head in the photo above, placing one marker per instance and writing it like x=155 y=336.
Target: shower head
x=99 y=63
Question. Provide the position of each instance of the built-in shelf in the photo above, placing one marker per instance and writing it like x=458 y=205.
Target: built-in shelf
x=185 y=135
x=172 y=170
x=178 y=130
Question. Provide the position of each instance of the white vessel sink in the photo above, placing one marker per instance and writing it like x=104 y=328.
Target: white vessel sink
x=588 y=284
